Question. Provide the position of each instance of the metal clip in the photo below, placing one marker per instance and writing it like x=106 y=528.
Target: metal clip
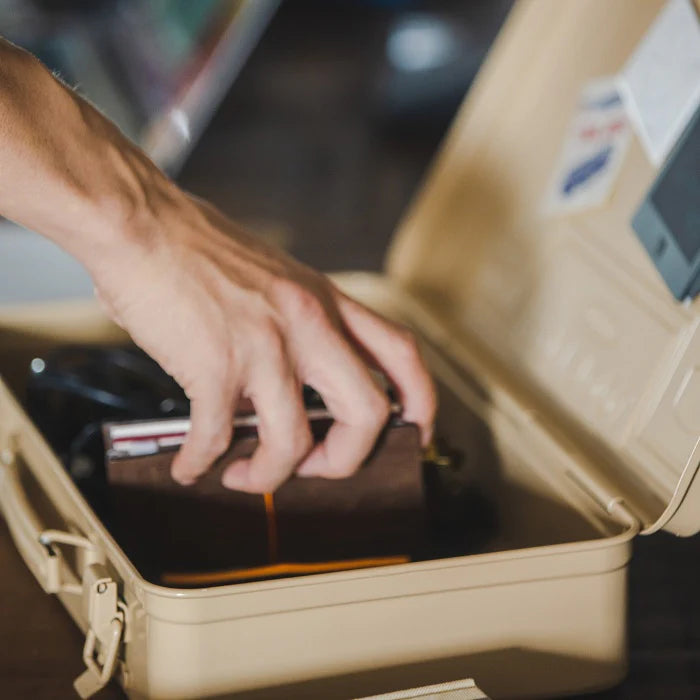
x=94 y=678
x=102 y=609
x=106 y=616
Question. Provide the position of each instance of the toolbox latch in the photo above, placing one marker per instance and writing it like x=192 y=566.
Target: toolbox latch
x=106 y=616
x=106 y=619
x=104 y=612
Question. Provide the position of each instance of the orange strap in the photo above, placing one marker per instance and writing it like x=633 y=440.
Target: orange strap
x=274 y=569
x=206 y=578
x=271 y=528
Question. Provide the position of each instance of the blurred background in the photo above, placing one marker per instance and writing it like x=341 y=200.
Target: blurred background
x=311 y=121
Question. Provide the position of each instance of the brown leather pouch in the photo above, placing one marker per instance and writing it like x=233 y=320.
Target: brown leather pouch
x=206 y=533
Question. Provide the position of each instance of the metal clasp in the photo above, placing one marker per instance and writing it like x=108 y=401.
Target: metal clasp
x=107 y=618
x=104 y=612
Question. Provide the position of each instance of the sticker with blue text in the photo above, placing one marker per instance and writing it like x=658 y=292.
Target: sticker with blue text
x=594 y=149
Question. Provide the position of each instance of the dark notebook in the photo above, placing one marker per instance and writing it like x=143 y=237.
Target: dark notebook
x=205 y=533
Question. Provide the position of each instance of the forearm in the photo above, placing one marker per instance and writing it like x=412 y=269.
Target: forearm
x=65 y=170
x=224 y=314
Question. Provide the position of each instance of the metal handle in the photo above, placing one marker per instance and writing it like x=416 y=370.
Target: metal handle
x=34 y=541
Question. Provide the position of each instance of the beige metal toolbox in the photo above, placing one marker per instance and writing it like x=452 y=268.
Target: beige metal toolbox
x=568 y=374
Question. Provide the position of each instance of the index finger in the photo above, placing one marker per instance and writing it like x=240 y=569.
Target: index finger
x=359 y=408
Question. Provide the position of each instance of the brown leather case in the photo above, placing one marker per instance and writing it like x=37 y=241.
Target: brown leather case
x=165 y=527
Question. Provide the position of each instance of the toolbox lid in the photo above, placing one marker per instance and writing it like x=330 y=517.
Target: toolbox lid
x=568 y=304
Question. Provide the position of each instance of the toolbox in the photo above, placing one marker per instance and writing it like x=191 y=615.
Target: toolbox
x=568 y=375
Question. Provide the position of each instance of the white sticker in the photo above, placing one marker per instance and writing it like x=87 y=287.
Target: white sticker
x=660 y=83
x=593 y=151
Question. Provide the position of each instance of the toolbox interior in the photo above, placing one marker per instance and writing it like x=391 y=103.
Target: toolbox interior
x=506 y=499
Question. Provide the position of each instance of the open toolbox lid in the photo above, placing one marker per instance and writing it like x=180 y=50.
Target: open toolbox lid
x=570 y=306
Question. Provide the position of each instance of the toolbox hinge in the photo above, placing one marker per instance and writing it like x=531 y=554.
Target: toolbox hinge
x=611 y=503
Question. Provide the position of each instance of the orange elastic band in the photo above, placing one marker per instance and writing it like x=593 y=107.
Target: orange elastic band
x=290 y=569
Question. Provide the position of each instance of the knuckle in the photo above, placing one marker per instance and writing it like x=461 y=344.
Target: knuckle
x=219 y=441
x=290 y=450
x=281 y=289
x=219 y=375
x=301 y=444
x=212 y=438
x=380 y=407
x=296 y=301
x=377 y=409
x=269 y=339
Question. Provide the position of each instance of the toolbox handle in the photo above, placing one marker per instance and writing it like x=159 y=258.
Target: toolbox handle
x=34 y=541
x=22 y=521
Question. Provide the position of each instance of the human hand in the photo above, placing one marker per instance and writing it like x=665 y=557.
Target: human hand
x=229 y=317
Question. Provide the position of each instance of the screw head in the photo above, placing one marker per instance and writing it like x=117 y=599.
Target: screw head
x=101 y=587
